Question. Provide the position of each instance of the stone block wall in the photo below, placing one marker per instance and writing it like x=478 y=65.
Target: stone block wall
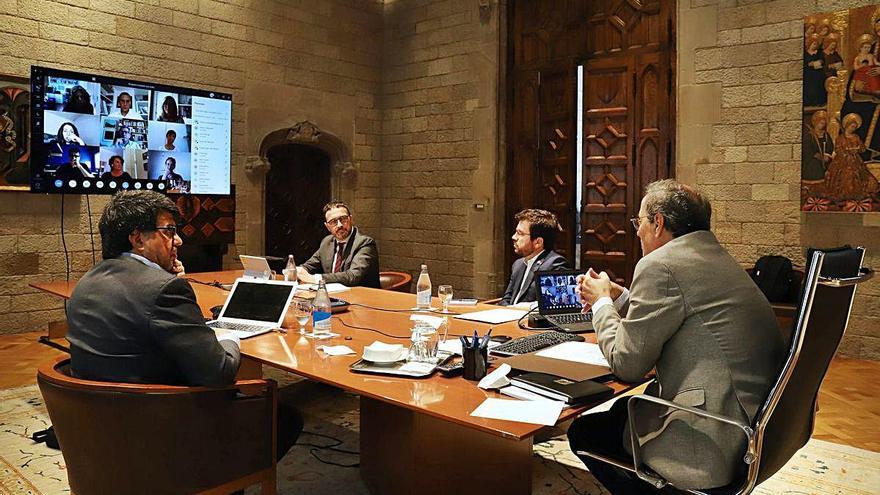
x=441 y=168
x=283 y=61
x=739 y=137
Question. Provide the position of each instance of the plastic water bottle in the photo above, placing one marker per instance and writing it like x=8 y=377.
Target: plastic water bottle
x=290 y=270
x=321 y=311
x=423 y=290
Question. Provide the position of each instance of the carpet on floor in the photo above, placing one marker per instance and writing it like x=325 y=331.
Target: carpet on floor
x=331 y=418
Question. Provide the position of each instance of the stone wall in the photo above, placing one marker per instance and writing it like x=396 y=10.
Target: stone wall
x=441 y=167
x=283 y=61
x=739 y=134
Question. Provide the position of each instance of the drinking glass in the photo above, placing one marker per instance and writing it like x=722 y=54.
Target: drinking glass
x=444 y=292
x=302 y=310
x=424 y=343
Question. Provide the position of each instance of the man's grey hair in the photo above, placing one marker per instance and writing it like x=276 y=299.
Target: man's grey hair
x=684 y=208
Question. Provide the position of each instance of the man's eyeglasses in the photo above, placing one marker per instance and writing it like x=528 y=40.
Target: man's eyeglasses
x=170 y=231
x=635 y=221
x=520 y=233
x=343 y=219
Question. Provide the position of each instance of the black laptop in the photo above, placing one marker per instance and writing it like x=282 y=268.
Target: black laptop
x=558 y=302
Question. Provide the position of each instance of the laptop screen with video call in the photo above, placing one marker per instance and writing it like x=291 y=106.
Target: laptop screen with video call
x=257 y=301
x=556 y=292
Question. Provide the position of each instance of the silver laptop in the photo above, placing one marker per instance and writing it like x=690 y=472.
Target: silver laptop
x=254 y=307
x=558 y=302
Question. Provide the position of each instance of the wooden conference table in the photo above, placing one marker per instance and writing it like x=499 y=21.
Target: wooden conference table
x=416 y=435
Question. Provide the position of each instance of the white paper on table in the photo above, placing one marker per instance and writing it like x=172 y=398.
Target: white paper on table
x=524 y=305
x=434 y=321
x=453 y=346
x=336 y=350
x=493 y=316
x=417 y=367
x=538 y=412
x=579 y=352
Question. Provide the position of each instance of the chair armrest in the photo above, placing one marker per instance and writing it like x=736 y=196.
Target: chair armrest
x=653 y=479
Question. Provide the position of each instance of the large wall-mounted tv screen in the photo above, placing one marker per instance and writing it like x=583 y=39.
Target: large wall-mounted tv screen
x=94 y=134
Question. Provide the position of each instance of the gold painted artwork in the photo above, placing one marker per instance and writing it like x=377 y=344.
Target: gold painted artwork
x=840 y=160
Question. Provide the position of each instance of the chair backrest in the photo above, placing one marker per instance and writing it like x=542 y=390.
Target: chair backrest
x=784 y=423
x=132 y=438
x=396 y=281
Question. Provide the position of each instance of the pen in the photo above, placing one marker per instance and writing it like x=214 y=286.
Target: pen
x=485 y=341
x=463 y=341
x=476 y=340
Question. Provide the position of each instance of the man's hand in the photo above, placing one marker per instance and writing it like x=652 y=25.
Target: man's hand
x=304 y=276
x=592 y=286
x=177 y=269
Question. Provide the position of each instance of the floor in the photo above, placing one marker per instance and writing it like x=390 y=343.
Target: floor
x=849 y=401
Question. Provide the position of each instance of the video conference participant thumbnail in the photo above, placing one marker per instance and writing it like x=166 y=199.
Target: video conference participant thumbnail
x=172 y=107
x=164 y=136
x=122 y=102
x=171 y=167
x=72 y=95
x=67 y=129
x=79 y=164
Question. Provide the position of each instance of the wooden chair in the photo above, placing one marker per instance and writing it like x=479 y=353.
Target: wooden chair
x=396 y=281
x=784 y=423
x=134 y=438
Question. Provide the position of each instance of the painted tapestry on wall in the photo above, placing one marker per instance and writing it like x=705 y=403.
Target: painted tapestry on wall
x=15 y=128
x=840 y=161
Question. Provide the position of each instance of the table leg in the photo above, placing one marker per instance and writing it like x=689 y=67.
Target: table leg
x=407 y=452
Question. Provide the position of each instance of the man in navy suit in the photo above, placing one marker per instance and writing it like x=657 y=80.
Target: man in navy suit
x=533 y=239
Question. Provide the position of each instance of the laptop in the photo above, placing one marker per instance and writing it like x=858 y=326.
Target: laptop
x=254 y=307
x=256 y=267
x=559 y=304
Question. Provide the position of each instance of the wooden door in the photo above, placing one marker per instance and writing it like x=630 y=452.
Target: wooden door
x=627 y=51
x=297 y=188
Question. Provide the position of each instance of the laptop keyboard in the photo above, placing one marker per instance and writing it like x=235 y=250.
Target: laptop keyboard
x=535 y=342
x=570 y=318
x=241 y=327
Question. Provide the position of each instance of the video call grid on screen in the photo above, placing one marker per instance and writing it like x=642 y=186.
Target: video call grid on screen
x=558 y=292
x=93 y=131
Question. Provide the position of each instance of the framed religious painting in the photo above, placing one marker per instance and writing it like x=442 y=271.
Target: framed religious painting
x=15 y=128
x=840 y=160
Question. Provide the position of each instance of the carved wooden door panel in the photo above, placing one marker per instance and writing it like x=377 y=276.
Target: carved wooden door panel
x=297 y=188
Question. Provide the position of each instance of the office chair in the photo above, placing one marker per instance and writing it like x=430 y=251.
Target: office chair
x=135 y=438
x=396 y=281
x=784 y=423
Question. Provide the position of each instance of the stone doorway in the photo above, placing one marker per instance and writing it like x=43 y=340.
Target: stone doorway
x=297 y=188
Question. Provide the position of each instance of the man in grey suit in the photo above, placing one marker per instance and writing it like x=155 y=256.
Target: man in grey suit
x=695 y=316
x=134 y=317
x=533 y=239
x=346 y=256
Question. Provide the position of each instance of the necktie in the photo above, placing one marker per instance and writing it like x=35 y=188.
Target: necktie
x=340 y=250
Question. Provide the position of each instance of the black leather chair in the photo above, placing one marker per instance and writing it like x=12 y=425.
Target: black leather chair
x=784 y=423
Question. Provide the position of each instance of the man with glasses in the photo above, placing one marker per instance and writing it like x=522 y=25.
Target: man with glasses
x=695 y=316
x=533 y=239
x=346 y=256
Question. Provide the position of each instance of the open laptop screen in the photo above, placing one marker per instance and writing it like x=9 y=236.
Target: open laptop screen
x=257 y=301
x=556 y=292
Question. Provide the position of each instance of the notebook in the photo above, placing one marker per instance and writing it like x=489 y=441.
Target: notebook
x=563 y=389
x=254 y=307
x=559 y=304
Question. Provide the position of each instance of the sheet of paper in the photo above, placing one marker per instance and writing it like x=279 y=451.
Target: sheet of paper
x=336 y=350
x=463 y=302
x=579 y=352
x=538 y=412
x=417 y=367
x=434 y=321
x=493 y=316
x=524 y=305
x=331 y=288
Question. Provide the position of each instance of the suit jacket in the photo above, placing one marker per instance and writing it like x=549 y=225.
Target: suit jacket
x=129 y=322
x=696 y=316
x=548 y=260
x=360 y=267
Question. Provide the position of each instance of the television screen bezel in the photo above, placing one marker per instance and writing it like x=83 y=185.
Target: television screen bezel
x=38 y=147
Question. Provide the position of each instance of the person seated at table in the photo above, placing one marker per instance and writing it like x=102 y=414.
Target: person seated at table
x=346 y=256
x=154 y=331
x=533 y=240
x=694 y=314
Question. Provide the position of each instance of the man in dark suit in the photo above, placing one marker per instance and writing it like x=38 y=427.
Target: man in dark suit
x=346 y=256
x=533 y=239
x=134 y=317
x=693 y=314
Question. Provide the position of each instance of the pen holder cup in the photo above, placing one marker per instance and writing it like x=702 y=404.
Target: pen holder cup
x=475 y=363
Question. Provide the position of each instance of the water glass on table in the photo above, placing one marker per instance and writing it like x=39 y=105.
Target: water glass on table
x=444 y=292
x=302 y=311
x=425 y=340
